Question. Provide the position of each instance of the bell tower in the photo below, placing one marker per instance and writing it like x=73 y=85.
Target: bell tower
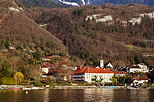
x=101 y=62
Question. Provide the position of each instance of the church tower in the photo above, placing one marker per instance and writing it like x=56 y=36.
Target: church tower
x=101 y=63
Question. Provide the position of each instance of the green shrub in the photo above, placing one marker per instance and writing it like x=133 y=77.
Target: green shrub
x=7 y=81
x=39 y=84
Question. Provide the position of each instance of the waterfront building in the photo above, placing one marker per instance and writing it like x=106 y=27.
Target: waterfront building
x=87 y=74
x=140 y=79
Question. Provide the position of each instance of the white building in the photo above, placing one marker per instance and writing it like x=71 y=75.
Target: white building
x=135 y=20
x=140 y=79
x=109 y=65
x=138 y=68
x=45 y=68
x=105 y=19
x=87 y=74
x=101 y=63
x=97 y=18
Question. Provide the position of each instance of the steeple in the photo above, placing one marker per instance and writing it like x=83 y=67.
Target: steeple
x=101 y=62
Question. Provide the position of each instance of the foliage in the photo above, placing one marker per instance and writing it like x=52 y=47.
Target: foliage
x=118 y=80
x=18 y=76
x=5 y=69
x=51 y=79
x=113 y=79
x=88 y=39
x=39 y=84
x=77 y=12
x=7 y=81
x=38 y=54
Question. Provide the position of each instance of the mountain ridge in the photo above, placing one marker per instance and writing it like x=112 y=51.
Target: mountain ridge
x=100 y=2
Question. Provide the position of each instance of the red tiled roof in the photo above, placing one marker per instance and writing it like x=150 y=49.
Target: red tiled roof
x=92 y=70
x=141 y=77
x=120 y=72
x=47 y=57
x=47 y=65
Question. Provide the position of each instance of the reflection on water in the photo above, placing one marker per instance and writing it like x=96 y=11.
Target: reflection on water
x=70 y=95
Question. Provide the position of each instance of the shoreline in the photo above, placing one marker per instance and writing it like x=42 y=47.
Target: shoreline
x=31 y=87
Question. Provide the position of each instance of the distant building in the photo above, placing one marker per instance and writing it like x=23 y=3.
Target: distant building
x=120 y=73
x=87 y=74
x=137 y=68
x=148 y=54
x=101 y=63
x=12 y=48
x=73 y=68
x=140 y=79
x=45 y=69
x=108 y=65
x=47 y=58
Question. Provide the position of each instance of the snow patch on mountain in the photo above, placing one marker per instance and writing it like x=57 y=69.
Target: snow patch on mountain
x=89 y=2
x=83 y=2
x=69 y=3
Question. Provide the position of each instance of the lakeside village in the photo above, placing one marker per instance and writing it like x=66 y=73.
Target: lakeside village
x=61 y=75
x=104 y=75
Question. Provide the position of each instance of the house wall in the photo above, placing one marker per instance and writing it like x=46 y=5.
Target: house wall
x=46 y=70
x=120 y=75
x=105 y=76
x=89 y=76
x=140 y=81
x=79 y=77
x=137 y=70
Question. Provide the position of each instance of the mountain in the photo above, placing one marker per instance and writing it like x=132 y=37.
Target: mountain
x=43 y=3
x=65 y=3
x=23 y=31
x=143 y=2
x=100 y=2
x=120 y=33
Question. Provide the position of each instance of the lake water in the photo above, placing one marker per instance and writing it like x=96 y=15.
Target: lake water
x=77 y=95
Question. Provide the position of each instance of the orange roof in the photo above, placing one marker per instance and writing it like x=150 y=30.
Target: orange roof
x=92 y=70
x=47 y=65
x=120 y=72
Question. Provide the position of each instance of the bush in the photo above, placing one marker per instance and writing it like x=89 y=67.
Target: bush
x=39 y=84
x=7 y=81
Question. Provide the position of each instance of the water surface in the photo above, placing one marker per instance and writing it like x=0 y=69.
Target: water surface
x=77 y=95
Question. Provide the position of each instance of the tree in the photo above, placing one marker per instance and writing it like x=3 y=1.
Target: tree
x=5 y=69
x=113 y=79
x=18 y=77
x=38 y=54
x=51 y=79
x=97 y=80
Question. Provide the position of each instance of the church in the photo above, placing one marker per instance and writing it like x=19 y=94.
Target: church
x=88 y=74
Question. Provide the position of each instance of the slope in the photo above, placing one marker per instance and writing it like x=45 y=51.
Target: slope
x=89 y=39
x=21 y=30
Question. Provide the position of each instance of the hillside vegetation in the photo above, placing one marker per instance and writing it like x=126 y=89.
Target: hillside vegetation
x=23 y=43
x=21 y=30
x=119 y=43
x=89 y=39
